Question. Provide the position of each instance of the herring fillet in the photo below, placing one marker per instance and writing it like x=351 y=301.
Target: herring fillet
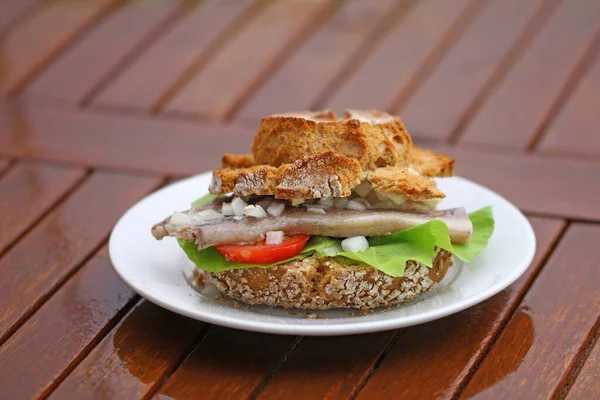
x=336 y=223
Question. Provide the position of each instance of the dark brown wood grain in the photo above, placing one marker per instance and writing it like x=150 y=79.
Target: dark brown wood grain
x=226 y=364
x=434 y=359
x=49 y=253
x=575 y=130
x=522 y=101
x=296 y=85
x=539 y=345
x=587 y=385
x=27 y=191
x=153 y=73
x=35 y=42
x=13 y=11
x=4 y=164
x=49 y=344
x=437 y=108
x=105 y=140
x=563 y=187
x=216 y=88
x=395 y=61
x=327 y=367
x=90 y=59
x=134 y=358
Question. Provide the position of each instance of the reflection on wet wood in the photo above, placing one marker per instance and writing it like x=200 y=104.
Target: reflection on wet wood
x=559 y=312
x=134 y=358
x=27 y=192
x=52 y=251
x=49 y=344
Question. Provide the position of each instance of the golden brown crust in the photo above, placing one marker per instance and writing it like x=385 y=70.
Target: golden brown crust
x=286 y=138
x=324 y=283
x=431 y=164
x=400 y=181
x=322 y=175
x=236 y=161
x=312 y=154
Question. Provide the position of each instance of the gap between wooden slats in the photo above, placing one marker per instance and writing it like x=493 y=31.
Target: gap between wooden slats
x=484 y=52
x=346 y=38
x=512 y=114
x=558 y=313
x=91 y=61
x=64 y=239
x=163 y=69
x=574 y=129
x=28 y=192
x=28 y=52
x=232 y=70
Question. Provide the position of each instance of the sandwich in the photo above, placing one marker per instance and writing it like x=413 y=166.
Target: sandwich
x=328 y=212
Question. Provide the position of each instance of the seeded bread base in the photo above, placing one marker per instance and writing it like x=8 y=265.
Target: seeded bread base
x=325 y=283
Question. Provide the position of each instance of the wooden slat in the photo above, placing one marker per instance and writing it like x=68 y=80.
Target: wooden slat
x=12 y=10
x=435 y=358
x=151 y=75
x=27 y=191
x=398 y=58
x=134 y=358
x=327 y=367
x=89 y=61
x=235 y=68
x=539 y=345
x=4 y=163
x=57 y=245
x=29 y=48
x=317 y=62
x=576 y=127
x=587 y=385
x=554 y=186
x=227 y=364
x=436 y=109
x=102 y=140
x=520 y=104
x=62 y=331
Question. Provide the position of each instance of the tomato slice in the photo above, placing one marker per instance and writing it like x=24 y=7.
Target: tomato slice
x=262 y=253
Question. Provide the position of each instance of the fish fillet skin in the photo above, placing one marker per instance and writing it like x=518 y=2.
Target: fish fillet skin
x=335 y=223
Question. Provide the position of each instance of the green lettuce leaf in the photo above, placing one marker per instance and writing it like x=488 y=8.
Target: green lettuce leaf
x=207 y=198
x=388 y=254
x=210 y=259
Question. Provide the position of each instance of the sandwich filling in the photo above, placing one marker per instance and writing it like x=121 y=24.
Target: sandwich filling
x=228 y=232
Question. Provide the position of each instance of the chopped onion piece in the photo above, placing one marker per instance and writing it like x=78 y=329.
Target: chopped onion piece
x=276 y=209
x=363 y=189
x=340 y=202
x=209 y=215
x=297 y=202
x=354 y=244
x=326 y=203
x=274 y=237
x=316 y=210
x=227 y=209
x=179 y=218
x=255 y=211
x=238 y=206
x=356 y=206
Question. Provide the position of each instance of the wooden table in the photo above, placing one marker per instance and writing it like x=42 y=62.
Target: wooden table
x=104 y=101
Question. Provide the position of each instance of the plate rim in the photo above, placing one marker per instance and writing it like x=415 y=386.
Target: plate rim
x=321 y=329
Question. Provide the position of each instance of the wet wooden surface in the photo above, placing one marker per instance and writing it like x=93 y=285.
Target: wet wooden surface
x=104 y=100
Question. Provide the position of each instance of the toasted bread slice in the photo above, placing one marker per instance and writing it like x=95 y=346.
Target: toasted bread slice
x=375 y=140
x=313 y=154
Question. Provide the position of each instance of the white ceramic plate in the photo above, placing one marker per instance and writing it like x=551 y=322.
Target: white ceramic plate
x=160 y=272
